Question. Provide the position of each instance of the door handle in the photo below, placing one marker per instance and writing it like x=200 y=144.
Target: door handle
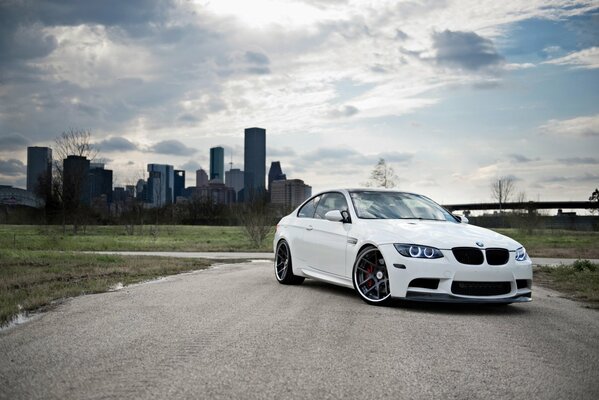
x=309 y=227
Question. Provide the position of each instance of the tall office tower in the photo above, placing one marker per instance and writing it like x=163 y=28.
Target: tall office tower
x=201 y=178
x=275 y=173
x=179 y=183
x=76 y=182
x=254 y=163
x=100 y=181
x=160 y=184
x=234 y=179
x=217 y=164
x=39 y=168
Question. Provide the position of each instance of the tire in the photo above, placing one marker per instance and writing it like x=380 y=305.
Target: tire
x=370 y=277
x=283 y=266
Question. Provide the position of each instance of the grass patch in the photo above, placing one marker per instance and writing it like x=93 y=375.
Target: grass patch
x=30 y=280
x=579 y=281
x=147 y=238
x=556 y=243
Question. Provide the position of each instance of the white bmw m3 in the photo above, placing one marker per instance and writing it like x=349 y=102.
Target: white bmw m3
x=389 y=244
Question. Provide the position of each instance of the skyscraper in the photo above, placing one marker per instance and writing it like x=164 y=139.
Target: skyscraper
x=201 y=178
x=289 y=193
x=275 y=173
x=76 y=183
x=179 y=183
x=234 y=179
x=160 y=184
x=39 y=168
x=254 y=162
x=217 y=164
x=100 y=181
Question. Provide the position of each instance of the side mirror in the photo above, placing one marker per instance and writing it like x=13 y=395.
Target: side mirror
x=334 y=215
x=462 y=218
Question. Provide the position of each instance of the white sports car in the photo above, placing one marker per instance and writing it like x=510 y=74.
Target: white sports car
x=388 y=244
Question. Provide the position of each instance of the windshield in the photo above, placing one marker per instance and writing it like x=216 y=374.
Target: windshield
x=397 y=205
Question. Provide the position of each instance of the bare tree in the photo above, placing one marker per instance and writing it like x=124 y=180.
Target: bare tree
x=69 y=187
x=383 y=175
x=594 y=197
x=257 y=221
x=502 y=190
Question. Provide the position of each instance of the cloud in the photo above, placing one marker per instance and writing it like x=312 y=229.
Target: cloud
x=465 y=50
x=13 y=141
x=340 y=156
x=280 y=152
x=12 y=167
x=190 y=165
x=345 y=111
x=574 y=127
x=519 y=158
x=256 y=58
x=587 y=177
x=578 y=160
x=116 y=144
x=583 y=59
x=172 y=147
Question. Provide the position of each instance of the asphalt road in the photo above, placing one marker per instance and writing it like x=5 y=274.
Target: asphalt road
x=233 y=332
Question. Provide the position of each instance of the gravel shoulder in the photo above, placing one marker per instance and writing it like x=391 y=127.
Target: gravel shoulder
x=233 y=332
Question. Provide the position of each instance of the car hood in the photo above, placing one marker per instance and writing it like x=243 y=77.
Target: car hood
x=440 y=234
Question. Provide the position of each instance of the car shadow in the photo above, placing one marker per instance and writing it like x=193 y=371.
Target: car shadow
x=514 y=309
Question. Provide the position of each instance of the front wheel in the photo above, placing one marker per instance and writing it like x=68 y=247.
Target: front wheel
x=283 y=269
x=370 y=277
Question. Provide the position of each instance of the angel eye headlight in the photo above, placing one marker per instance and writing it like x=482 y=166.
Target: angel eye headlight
x=418 y=251
x=521 y=254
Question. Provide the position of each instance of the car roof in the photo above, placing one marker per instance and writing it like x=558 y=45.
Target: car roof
x=364 y=189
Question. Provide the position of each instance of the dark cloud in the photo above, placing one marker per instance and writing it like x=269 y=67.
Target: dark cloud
x=345 y=111
x=190 y=165
x=12 y=167
x=173 y=147
x=519 y=158
x=280 y=152
x=579 y=160
x=116 y=144
x=465 y=50
x=258 y=70
x=401 y=35
x=13 y=141
x=256 y=58
x=343 y=157
x=587 y=177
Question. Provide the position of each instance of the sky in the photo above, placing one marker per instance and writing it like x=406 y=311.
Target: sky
x=452 y=94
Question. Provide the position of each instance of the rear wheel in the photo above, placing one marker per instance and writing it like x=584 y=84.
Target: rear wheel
x=283 y=269
x=370 y=277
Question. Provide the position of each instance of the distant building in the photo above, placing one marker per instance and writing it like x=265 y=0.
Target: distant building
x=39 y=169
x=215 y=192
x=179 y=183
x=201 y=178
x=11 y=196
x=234 y=179
x=254 y=162
x=100 y=184
x=217 y=164
x=289 y=193
x=141 y=189
x=275 y=173
x=160 y=185
x=76 y=183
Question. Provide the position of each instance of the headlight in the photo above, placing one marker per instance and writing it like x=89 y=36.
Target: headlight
x=417 y=251
x=521 y=254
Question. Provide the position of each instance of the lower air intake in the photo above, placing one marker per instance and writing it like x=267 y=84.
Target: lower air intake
x=480 y=288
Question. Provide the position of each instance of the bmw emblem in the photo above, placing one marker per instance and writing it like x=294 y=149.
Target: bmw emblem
x=480 y=244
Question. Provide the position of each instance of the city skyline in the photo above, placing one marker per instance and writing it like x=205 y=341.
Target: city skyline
x=452 y=94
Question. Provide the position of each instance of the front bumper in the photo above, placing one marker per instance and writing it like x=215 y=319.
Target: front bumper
x=447 y=279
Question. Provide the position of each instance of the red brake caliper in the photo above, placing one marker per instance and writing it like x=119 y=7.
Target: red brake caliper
x=370 y=270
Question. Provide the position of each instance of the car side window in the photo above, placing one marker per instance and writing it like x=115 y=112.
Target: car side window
x=330 y=201
x=307 y=211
